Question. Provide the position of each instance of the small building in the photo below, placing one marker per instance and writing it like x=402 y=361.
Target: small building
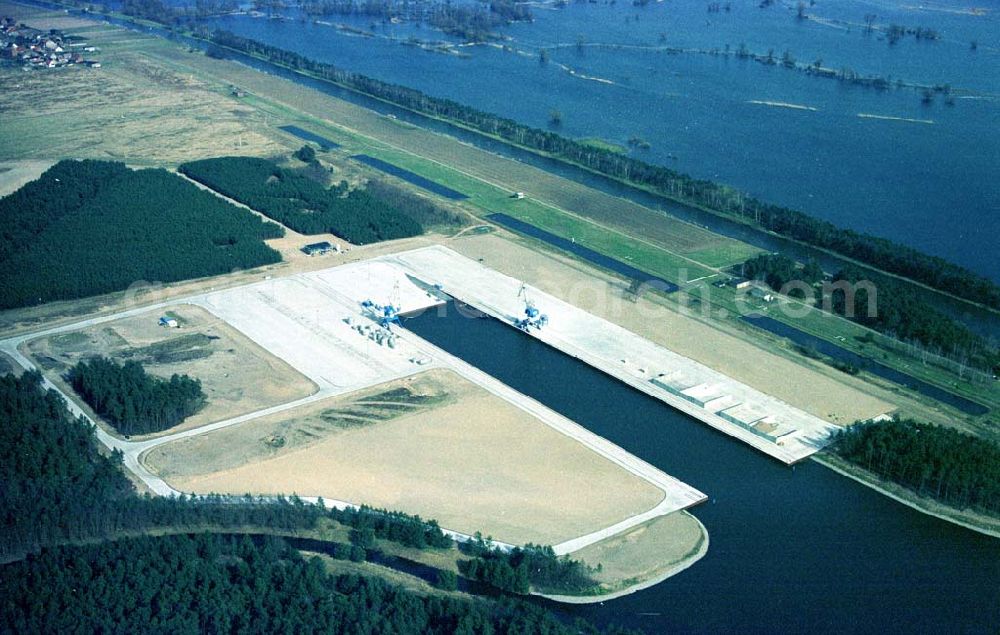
x=762 y=293
x=741 y=283
x=169 y=322
x=317 y=249
x=517 y=195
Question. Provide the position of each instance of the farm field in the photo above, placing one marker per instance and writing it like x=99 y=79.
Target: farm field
x=451 y=458
x=132 y=109
x=486 y=178
x=237 y=375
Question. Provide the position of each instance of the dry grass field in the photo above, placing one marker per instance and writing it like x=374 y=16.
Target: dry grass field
x=645 y=554
x=132 y=109
x=466 y=458
x=237 y=376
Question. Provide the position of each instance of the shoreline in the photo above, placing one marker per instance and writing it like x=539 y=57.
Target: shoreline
x=687 y=562
x=866 y=478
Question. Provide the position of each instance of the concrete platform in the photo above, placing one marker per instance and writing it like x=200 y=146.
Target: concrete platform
x=317 y=324
x=776 y=428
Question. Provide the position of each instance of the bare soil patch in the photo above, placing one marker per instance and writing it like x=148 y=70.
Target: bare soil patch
x=237 y=375
x=473 y=462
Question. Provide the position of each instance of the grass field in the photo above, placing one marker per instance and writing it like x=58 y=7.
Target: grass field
x=469 y=459
x=237 y=375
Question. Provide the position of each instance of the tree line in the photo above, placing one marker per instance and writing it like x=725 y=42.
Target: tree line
x=301 y=203
x=133 y=401
x=899 y=312
x=524 y=568
x=56 y=487
x=206 y=583
x=902 y=314
x=91 y=227
x=956 y=469
x=718 y=198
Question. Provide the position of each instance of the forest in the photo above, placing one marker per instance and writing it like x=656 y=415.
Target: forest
x=899 y=311
x=91 y=227
x=133 y=401
x=205 y=583
x=56 y=487
x=525 y=568
x=902 y=314
x=422 y=209
x=956 y=469
x=301 y=203
x=777 y=270
x=718 y=198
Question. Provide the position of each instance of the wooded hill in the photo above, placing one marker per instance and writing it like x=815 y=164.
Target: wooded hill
x=957 y=469
x=301 y=203
x=91 y=227
x=719 y=198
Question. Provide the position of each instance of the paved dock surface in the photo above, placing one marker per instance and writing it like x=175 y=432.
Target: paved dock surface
x=759 y=420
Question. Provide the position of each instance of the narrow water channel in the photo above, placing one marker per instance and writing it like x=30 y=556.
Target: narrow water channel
x=792 y=549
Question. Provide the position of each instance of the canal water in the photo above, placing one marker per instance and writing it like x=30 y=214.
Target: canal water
x=791 y=549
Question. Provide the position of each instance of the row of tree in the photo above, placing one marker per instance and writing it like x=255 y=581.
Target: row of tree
x=896 y=309
x=957 y=469
x=206 y=583
x=91 y=227
x=300 y=203
x=133 y=401
x=524 y=568
x=902 y=314
x=407 y=530
x=878 y=252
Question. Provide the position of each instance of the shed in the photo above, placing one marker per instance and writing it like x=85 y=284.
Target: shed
x=317 y=249
x=762 y=294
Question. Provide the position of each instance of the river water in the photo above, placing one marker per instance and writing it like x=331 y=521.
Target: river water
x=791 y=549
x=925 y=178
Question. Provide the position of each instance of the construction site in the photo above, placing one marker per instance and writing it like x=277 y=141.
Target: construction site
x=372 y=414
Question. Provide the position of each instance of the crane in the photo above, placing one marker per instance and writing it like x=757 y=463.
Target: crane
x=532 y=317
